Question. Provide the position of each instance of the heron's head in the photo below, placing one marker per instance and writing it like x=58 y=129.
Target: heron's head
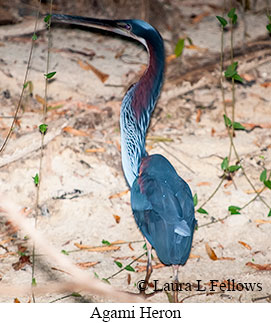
x=133 y=28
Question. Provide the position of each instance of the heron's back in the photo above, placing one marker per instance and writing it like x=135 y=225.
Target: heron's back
x=163 y=208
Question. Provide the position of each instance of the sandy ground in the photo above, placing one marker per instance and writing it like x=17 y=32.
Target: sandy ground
x=80 y=190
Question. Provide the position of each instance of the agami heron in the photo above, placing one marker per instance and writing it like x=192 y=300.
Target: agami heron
x=161 y=200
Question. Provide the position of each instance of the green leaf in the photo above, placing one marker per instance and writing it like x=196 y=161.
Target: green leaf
x=231 y=13
x=263 y=175
x=267 y=184
x=74 y=294
x=29 y=84
x=34 y=37
x=195 y=199
x=202 y=211
x=47 y=18
x=231 y=70
x=222 y=21
x=269 y=214
x=225 y=163
x=119 y=264
x=234 y=19
x=268 y=27
x=96 y=275
x=43 y=128
x=238 y=78
x=129 y=268
x=227 y=121
x=106 y=280
x=65 y=252
x=26 y=84
x=189 y=40
x=179 y=47
x=233 y=168
x=36 y=179
x=234 y=209
x=50 y=75
x=106 y=242
x=144 y=246
x=238 y=126
x=34 y=283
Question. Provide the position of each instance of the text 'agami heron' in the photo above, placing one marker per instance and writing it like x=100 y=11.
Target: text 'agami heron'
x=161 y=201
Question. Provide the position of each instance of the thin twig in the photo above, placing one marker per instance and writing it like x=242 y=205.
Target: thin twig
x=182 y=163
x=24 y=82
x=122 y=269
x=42 y=144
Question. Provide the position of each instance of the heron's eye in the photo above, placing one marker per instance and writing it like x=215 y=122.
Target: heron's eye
x=128 y=27
x=125 y=26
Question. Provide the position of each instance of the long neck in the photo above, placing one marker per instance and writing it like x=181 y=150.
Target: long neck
x=137 y=107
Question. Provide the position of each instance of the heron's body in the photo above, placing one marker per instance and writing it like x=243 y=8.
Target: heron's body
x=163 y=208
x=161 y=201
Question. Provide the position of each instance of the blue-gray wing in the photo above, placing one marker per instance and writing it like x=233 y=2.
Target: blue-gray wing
x=163 y=208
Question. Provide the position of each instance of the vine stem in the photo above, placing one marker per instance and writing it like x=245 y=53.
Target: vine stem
x=231 y=131
x=24 y=82
x=122 y=269
x=37 y=202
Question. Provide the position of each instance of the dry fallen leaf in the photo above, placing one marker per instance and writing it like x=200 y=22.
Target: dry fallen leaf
x=40 y=99
x=139 y=268
x=118 y=194
x=247 y=77
x=262 y=221
x=118 y=242
x=266 y=84
x=16 y=300
x=10 y=253
x=130 y=246
x=199 y=17
x=87 y=264
x=139 y=260
x=213 y=131
x=228 y=183
x=198 y=117
x=96 y=249
x=118 y=145
x=86 y=66
x=62 y=271
x=210 y=252
x=2 y=242
x=259 y=190
x=170 y=58
x=250 y=126
x=117 y=218
x=195 y=47
x=129 y=279
x=23 y=261
x=245 y=245
x=258 y=267
x=95 y=150
x=75 y=132
x=204 y=184
x=192 y=256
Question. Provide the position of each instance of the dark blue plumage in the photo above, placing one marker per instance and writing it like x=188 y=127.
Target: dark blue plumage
x=163 y=208
x=161 y=201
